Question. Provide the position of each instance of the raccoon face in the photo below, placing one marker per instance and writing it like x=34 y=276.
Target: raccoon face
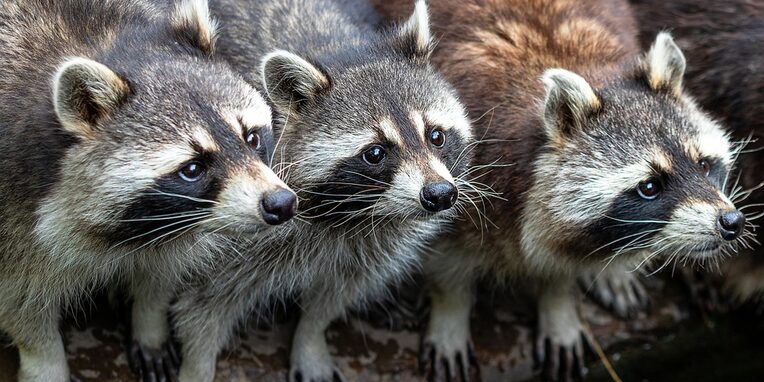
x=166 y=145
x=636 y=167
x=377 y=136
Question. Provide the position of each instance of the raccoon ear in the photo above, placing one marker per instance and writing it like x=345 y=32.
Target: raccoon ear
x=665 y=65
x=414 y=37
x=191 y=23
x=290 y=80
x=84 y=92
x=569 y=101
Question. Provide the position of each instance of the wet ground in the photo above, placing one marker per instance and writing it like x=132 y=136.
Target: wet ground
x=674 y=342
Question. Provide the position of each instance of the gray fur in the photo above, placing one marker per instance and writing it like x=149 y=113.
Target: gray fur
x=340 y=82
x=98 y=100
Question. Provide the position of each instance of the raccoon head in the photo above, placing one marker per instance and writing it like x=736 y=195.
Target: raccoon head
x=167 y=142
x=377 y=134
x=633 y=167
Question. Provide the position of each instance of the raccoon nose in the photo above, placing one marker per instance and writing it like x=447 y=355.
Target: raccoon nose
x=278 y=207
x=731 y=225
x=439 y=196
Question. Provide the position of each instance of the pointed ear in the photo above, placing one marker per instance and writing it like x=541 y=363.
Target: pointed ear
x=665 y=65
x=191 y=23
x=290 y=80
x=568 y=103
x=414 y=38
x=84 y=92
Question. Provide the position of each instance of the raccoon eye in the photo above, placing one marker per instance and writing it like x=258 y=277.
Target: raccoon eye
x=705 y=166
x=374 y=155
x=253 y=139
x=649 y=189
x=438 y=137
x=191 y=172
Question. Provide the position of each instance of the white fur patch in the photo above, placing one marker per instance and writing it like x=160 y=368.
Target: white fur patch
x=407 y=184
x=391 y=132
x=323 y=154
x=449 y=326
x=104 y=87
x=196 y=14
x=307 y=78
x=149 y=324
x=160 y=162
x=257 y=116
x=570 y=92
x=239 y=201
x=419 y=26
x=594 y=199
x=666 y=64
x=47 y=363
x=421 y=128
x=711 y=141
x=203 y=138
x=558 y=317
x=692 y=221
x=451 y=117
x=441 y=170
x=661 y=160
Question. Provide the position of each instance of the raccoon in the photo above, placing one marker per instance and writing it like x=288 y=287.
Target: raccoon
x=373 y=141
x=612 y=163
x=130 y=155
x=726 y=78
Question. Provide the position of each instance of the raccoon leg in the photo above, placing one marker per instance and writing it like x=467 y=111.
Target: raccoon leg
x=41 y=350
x=616 y=289
x=310 y=360
x=152 y=354
x=447 y=353
x=204 y=324
x=559 y=345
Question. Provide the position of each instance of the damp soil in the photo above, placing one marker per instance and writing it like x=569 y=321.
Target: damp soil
x=673 y=342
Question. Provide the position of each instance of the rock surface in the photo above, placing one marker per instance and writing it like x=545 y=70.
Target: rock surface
x=674 y=342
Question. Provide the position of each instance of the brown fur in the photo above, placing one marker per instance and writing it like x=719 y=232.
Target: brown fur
x=495 y=52
x=562 y=97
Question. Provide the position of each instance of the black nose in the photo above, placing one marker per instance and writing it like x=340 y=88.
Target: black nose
x=731 y=225
x=439 y=196
x=279 y=206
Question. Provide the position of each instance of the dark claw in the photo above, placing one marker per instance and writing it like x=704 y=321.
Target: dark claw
x=154 y=365
x=442 y=370
x=625 y=301
x=337 y=376
x=463 y=367
x=426 y=357
x=561 y=363
x=551 y=362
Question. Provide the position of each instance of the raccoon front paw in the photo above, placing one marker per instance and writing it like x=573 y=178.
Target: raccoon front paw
x=620 y=293
x=308 y=374
x=560 y=356
x=448 y=362
x=154 y=365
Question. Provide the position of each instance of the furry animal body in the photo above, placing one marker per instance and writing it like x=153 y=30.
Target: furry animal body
x=374 y=142
x=727 y=78
x=610 y=162
x=130 y=155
